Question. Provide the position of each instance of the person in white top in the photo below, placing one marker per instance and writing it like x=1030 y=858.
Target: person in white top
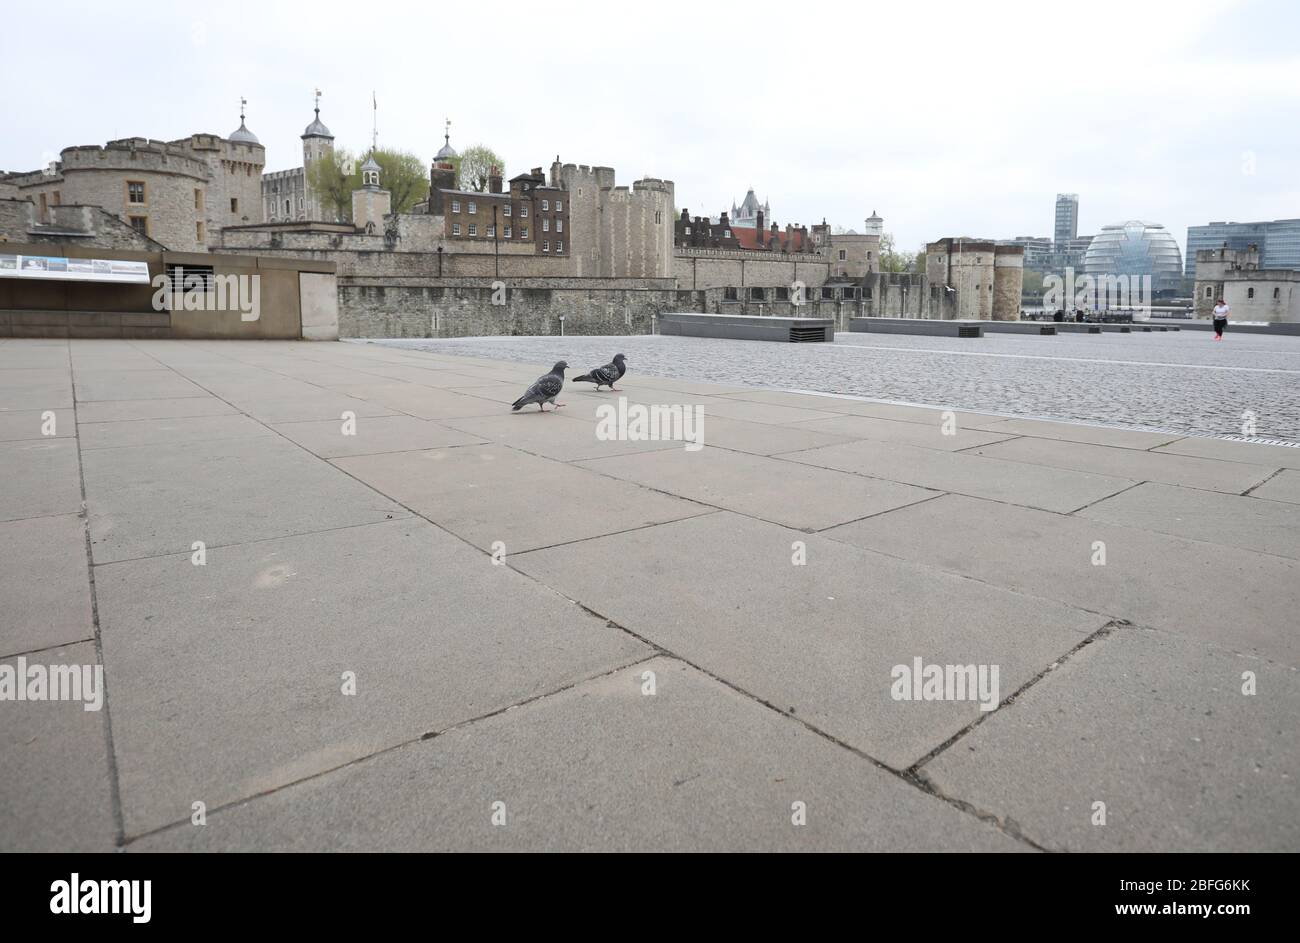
x=1220 y=319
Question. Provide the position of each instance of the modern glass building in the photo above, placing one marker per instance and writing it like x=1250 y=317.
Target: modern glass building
x=1136 y=248
x=1278 y=241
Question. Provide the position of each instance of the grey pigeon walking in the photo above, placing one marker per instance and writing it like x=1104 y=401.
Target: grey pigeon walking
x=544 y=390
x=607 y=375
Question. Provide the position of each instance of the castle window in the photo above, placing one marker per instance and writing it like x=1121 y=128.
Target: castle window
x=546 y=225
x=140 y=224
x=57 y=198
x=559 y=247
x=546 y=246
x=559 y=225
x=288 y=207
x=135 y=191
x=473 y=227
x=198 y=233
x=509 y=234
x=455 y=206
x=559 y=206
x=491 y=230
x=1250 y=293
x=688 y=230
x=546 y=204
x=198 y=200
x=234 y=205
x=727 y=235
x=523 y=232
x=507 y=209
x=455 y=229
x=1208 y=292
x=1277 y=294
x=843 y=255
x=783 y=294
x=473 y=209
x=728 y=294
x=523 y=211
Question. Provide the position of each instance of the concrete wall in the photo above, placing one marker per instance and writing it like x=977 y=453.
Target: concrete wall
x=48 y=308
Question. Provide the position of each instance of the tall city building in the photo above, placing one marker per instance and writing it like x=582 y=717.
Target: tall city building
x=1067 y=218
x=1278 y=241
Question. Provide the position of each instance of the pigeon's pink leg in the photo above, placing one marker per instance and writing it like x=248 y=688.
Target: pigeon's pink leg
x=556 y=405
x=614 y=389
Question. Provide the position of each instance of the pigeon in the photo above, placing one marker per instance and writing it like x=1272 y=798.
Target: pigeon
x=607 y=375
x=544 y=390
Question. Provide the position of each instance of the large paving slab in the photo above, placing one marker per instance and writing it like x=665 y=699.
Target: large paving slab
x=44 y=582
x=730 y=408
x=759 y=438
x=1271 y=456
x=1284 y=486
x=799 y=496
x=433 y=631
x=1250 y=522
x=1191 y=472
x=924 y=435
x=181 y=429
x=40 y=477
x=157 y=383
x=272 y=406
x=489 y=493
x=1077 y=432
x=423 y=402
x=55 y=790
x=371 y=435
x=154 y=499
x=567 y=438
x=818 y=640
x=694 y=767
x=1156 y=727
x=1242 y=600
x=37 y=388
x=134 y=409
x=965 y=473
x=902 y=412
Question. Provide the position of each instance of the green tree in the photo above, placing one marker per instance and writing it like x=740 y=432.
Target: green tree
x=331 y=178
x=403 y=175
x=891 y=260
x=474 y=165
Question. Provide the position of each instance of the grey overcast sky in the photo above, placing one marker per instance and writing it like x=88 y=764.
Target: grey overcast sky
x=949 y=118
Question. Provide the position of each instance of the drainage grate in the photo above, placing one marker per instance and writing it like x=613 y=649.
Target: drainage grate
x=807 y=334
x=969 y=330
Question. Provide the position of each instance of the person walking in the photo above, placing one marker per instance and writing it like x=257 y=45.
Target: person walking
x=1221 y=311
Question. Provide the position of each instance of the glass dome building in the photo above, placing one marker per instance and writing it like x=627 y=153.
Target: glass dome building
x=1136 y=248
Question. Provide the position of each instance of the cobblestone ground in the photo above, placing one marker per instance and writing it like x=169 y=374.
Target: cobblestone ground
x=1184 y=382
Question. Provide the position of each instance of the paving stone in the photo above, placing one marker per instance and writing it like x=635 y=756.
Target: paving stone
x=795 y=495
x=1156 y=727
x=1210 y=475
x=930 y=436
x=821 y=639
x=373 y=434
x=44 y=582
x=965 y=473
x=54 y=770
x=695 y=767
x=1284 y=486
x=489 y=493
x=1240 y=599
x=1252 y=523
x=226 y=679
x=154 y=499
x=41 y=477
